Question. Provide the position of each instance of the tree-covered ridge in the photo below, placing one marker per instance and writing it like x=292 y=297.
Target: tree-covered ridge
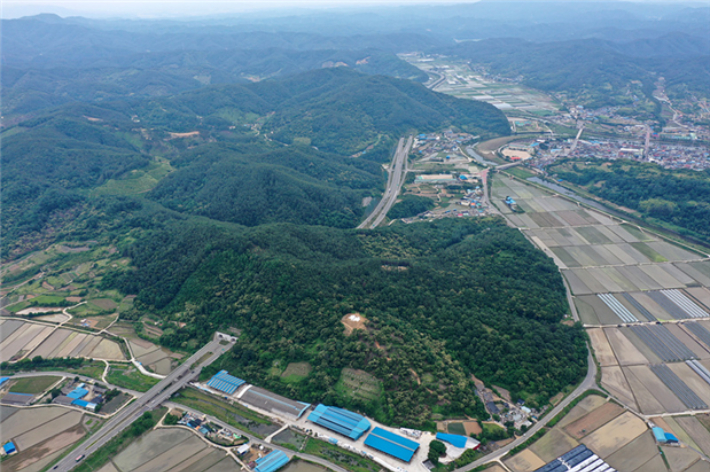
x=239 y=153
x=678 y=197
x=443 y=300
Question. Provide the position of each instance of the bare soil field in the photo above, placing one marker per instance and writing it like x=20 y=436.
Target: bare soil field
x=602 y=311
x=214 y=457
x=701 y=295
x=227 y=464
x=650 y=305
x=63 y=344
x=661 y=276
x=680 y=433
x=635 y=454
x=27 y=419
x=15 y=344
x=194 y=460
x=553 y=444
x=589 y=281
x=701 y=278
x=594 y=420
x=526 y=461
x=663 y=394
x=9 y=327
x=49 y=429
x=601 y=347
x=576 y=285
x=51 y=343
x=71 y=345
x=679 y=458
x=615 y=434
x=472 y=427
x=173 y=457
x=581 y=409
x=628 y=352
x=613 y=380
x=654 y=465
x=700 y=466
x=648 y=404
x=149 y=447
x=43 y=449
x=696 y=431
x=86 y=352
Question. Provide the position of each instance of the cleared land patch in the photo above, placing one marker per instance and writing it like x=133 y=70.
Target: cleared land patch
x=526 y=461
x=296 y=371
x=552 y=445
x=595 y=419
x=615 y=434
x=360 y=384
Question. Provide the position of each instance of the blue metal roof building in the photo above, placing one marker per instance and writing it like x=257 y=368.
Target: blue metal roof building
x=3 y=380
x=455 y=440
x=663 y=437
x=78 y=393
x=224 y=382
x=9 y=448
x=392 y=444
x=341 y=421
x=271 y=462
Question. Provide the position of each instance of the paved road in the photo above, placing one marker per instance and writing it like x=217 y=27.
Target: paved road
x=589 y=382
x=152 y=398
x=576 y=140
x=394 y=184
x=255 y=440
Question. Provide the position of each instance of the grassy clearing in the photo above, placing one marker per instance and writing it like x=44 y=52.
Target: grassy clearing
x=34 y=384
x=227 y=412
x=456 y=428
x=129 y=377
x=295 y=372
x=290 y=439
x=357 y=383
x=341 y=457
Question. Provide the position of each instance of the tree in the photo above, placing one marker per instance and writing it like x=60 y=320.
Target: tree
x=436 y=450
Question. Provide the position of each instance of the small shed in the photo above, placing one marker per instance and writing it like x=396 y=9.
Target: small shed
x=9 y=448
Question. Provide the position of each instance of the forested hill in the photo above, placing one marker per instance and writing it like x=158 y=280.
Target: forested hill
x=237 y=153
x=442 y=300
x=593 y=70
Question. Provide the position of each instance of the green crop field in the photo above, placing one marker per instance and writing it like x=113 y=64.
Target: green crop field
x=130 y=378
x=34 y=384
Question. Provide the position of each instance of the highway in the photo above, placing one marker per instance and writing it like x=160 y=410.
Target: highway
x=588 y=382
x=397 y=171
x=177 y=379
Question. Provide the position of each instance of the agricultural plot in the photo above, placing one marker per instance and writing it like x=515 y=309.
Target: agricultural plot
x=648 y=404
x=699 y=331
x=635 y=454
x=552 y=445
x=620 y=310
x=682 y=391
x=582 y=408
x=615 y=434
x=625 y=349
x=601 y=346
x=700 y=295
x=697 y=432
x=614 y=381
x=667 y=347
x=40 y=434
x=589 y=423
x=680 y=459
x=526 y=461
x=690 y=342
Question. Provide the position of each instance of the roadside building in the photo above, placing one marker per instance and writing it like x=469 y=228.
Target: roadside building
x=664 y=438
x=392 y=444
x=78 y=393
x=347 y=423
x=3 y=380
x=224 y=382
x=19 y=399
x=271 y=402
x=459 y=441
x=271 y=462
x=9 y=448
x=63 y=400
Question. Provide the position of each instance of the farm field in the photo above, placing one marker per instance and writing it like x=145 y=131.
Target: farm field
x=619 y=437
x=624 y=280
x=25 y=339
x=40 y=435
x=170 y=449
x=153 y=357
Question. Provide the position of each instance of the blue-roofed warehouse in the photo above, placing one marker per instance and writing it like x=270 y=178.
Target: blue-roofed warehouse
x=78 y=393
x=224 y=382
x=455 y=440
x=271 y=462
x=392 y=444
x=663 y=437
x=341 y=421
x=3 y=380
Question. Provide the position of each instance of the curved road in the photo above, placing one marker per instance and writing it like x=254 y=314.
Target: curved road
x=588 y=382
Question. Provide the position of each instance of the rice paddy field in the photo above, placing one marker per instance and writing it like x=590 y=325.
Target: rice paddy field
x=645 y=301
x=618 y=436
x=170 y=449
x=24 y=339
x=41 y=435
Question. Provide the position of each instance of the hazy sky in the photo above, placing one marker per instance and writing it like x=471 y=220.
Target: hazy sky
x=170 y=8
x=175 y=9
